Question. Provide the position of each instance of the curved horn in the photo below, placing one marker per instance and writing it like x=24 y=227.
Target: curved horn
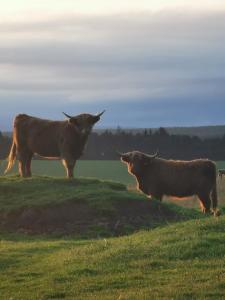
x=99 y=115
x=67 y=115
x=156 y=154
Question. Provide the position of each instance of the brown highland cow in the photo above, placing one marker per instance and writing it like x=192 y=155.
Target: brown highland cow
x=64 y=140
x=157 y=177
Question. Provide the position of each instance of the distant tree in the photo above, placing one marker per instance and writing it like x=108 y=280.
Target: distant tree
x=163 y=131
x=145 y=132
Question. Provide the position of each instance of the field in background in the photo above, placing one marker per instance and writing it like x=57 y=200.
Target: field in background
x=107 y=170
x=103 y=169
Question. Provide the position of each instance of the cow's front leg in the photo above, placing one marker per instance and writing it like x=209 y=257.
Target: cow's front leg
x=69 y=165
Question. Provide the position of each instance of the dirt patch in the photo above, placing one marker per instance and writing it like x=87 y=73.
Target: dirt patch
x=82 y=219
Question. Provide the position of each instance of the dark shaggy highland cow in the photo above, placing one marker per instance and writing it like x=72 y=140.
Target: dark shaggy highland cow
x=157 y=177
x=64 y=140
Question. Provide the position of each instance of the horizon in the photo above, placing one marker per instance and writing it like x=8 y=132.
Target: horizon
x=150 y=64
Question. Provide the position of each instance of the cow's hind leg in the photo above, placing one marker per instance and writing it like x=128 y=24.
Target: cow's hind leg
x=22 y=165
x=205 y=202
x=69 y=165
x=28 y=164
x=24 y=158
x=158 y=197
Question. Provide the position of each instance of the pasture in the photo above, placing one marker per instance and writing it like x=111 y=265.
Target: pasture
x=89 y=238
x=180 y=261
x=111 y=243
x=107 y=170
x=101 y=169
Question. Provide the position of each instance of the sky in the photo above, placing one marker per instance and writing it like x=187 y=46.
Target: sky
x=149 y=63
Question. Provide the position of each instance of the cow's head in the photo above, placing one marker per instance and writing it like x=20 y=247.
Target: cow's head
x=136 y=160
x=84 y=122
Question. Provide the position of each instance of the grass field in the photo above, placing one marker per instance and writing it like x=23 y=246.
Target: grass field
x=107 y=170
x=182 y=261
x=179 y=254
x=103 y=169
x=55 y=202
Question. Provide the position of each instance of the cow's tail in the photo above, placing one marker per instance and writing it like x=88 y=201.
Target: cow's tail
x=11 y=157
x=215 y=210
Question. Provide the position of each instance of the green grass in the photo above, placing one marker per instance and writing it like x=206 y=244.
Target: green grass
x=102 y=208
x=182 y=261
x=105 y=170
x=102 y=169
x=40 y=191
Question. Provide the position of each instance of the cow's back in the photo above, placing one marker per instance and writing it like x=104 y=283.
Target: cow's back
x=182 y=178
x=38 y=135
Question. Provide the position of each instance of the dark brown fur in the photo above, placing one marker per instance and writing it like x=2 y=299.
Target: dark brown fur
x=157 y=177
x=64 y=140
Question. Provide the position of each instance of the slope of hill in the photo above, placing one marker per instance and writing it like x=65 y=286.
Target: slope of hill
x=180 y=261
x=170 y=257
x=87 y=207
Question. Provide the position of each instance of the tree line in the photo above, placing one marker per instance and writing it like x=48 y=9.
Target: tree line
x=105 y=144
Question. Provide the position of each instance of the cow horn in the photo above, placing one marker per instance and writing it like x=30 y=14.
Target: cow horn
x=99 y=115
x=152 y=156
x=156 y=154
x=67 y=115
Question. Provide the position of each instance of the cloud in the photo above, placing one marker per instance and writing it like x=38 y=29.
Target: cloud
x=164 y=58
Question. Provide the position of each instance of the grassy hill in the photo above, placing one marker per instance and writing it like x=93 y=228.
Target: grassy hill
x=141 y=250
x=180 y=261
x=82 y=206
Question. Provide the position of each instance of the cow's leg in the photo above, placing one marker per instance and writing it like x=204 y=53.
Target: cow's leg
x=205 y=202
x=24 y=158
x=22 y=164
x=28 y=164
x=69 y=165
x=157 y=196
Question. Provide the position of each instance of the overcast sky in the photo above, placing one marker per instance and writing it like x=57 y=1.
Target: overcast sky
x=148 y=63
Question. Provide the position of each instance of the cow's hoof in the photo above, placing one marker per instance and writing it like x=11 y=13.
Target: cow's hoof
x=216 y=212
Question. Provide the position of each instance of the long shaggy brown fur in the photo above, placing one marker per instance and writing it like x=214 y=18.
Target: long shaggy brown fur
x=157 y=177
x=64 y=140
